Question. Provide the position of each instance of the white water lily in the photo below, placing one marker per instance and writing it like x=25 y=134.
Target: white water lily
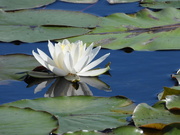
x=71 y=60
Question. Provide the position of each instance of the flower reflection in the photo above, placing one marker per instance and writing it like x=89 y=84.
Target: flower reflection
x=62 y=87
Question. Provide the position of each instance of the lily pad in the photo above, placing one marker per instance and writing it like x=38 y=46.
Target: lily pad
x=149 y=117
x=121 y=1
x=23 y=4
x=42 y=25
x=169 y=91
x=13 y=64
x=16 y=121
x=160 y=4
x=173 y=102
x=145 y=30
x=80 y=1
x=177 y=77
x=171 y=129
x=83 y=112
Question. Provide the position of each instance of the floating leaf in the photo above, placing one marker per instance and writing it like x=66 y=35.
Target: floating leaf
x=23 y=4
x=173 y=102
x=121 y=1
x=177 y=77
x=83 y=112
x=159 y=4
x=160 y=105
x=169 y=91
x=16 y=121
x=80 y=1
x=145 y=30
x=149 y=117
x=13 y=64
x=171 y=129
x=42 y=25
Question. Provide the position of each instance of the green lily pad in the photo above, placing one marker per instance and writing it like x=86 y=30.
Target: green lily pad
x=16 y=121
x=124 y=130
x=177 y=77
x=80 y=1
x=169 y=91
x=43 y=25
x=160 y=105
x=121 y=1
x=149 y=117
x=173 y=102
x=13 y=64
x=23 y=4
x=145 y=30
x=83 y=112
x=171 y=129
x=160 y=4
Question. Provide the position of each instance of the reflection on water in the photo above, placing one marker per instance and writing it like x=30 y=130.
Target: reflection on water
x=62 y=87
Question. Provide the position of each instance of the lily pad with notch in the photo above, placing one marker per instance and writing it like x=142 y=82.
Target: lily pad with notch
x=15 y=66
x=83 y=112
x=145 y=30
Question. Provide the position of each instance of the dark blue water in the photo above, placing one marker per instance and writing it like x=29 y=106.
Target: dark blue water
x=138 y=75
x=101 y=8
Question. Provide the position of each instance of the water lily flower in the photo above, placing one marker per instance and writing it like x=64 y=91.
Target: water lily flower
x=71 y=60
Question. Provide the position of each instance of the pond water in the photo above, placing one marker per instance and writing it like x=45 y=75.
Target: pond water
x=138 y=75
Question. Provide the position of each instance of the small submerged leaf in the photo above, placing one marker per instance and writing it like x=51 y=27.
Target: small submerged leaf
x=169 y=91
x=149 y=117
x=173 y=102
x=17 y=121
x=15 y=66
x=83 y=112
x=23 y=4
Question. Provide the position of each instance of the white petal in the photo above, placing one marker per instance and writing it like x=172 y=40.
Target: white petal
x=88 y=51
x=65 y=42
x=94 y=53
x=81 y=63
x=45 y=57
x=39 y=59
x=57 y=50
x=95 y=63
x=69 y=63
x=57 y=53
x=76 y=54
x=57 y=71
x=94 y=72
x=51 y=49
x=61 y=64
